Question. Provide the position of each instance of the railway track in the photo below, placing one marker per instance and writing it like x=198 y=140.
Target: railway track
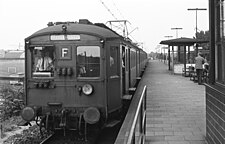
x=107 y=136
x=58 y=138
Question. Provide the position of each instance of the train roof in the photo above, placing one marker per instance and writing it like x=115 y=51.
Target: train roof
x=82 y=27
x=97 y=29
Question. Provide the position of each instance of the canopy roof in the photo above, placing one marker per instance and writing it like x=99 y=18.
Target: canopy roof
x=182 y=41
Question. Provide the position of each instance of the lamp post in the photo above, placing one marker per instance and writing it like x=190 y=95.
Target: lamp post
x=196 y=30
x=176 y=31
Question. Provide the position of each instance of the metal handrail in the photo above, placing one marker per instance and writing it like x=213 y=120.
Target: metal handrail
x=141 y=112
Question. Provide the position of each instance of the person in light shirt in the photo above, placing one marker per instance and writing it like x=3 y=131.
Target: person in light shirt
x=44 y=63
x=199 y=61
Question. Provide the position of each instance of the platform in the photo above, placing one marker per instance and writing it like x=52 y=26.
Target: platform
x=175 y=107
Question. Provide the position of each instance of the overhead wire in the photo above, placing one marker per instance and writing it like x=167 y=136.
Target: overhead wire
x=117 y=9
x=108 y=9
x=129 y=33
x=121 y=27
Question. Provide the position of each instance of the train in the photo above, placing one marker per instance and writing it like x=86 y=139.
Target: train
x=89 y=70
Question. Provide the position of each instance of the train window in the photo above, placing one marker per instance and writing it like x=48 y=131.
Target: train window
x=43 y=62
x=113 y=61
x=88 y=61
x=133 y=58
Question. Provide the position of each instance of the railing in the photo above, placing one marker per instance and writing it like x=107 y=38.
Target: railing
x=133 y=129
x=140 y=113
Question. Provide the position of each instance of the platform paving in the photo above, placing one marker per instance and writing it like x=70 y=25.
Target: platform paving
x=175 y=107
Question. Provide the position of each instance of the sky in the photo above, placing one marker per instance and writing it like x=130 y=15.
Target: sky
x=149 y=21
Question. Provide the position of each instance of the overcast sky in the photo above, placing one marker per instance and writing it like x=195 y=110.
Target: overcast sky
x=150 y=20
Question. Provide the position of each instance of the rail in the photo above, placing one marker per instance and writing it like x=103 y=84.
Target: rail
x=131 y=132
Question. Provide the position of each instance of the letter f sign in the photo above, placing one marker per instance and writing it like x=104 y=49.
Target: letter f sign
x=64 y=52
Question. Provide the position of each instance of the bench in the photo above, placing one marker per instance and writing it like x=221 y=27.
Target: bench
x=205 y=76
x=193 y=74
x=189 y=71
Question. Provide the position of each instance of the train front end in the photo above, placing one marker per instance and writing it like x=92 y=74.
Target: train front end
x=65 y=85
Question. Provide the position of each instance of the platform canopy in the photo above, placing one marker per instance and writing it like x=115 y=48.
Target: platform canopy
x=182 y=41
x=181 y=44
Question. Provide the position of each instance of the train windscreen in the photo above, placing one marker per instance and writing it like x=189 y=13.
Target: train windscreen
x=42 y=60
x=88 y=61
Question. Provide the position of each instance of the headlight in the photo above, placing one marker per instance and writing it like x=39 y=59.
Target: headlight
x=87 y=89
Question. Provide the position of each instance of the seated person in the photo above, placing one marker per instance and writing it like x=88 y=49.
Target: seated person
x=44 y=63
x=111 y=60
x=81 y=71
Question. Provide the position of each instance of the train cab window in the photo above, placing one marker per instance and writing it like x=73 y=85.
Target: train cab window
x=88 y=61
x=43 y=62
x=113 y=61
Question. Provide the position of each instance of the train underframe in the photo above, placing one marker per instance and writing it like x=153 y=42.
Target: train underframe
x=83 y=121
x=86 y=123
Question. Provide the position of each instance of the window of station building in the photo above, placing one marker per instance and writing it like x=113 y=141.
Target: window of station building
x=220 y=48
x=113 y=61
x=88 y=61
x=42 y=62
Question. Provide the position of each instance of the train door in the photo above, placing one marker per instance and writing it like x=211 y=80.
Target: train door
x=63 y=63
x=113 y=79
x=129 y=68
x=137 y=63
x=123 y=68
x=127 y=78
